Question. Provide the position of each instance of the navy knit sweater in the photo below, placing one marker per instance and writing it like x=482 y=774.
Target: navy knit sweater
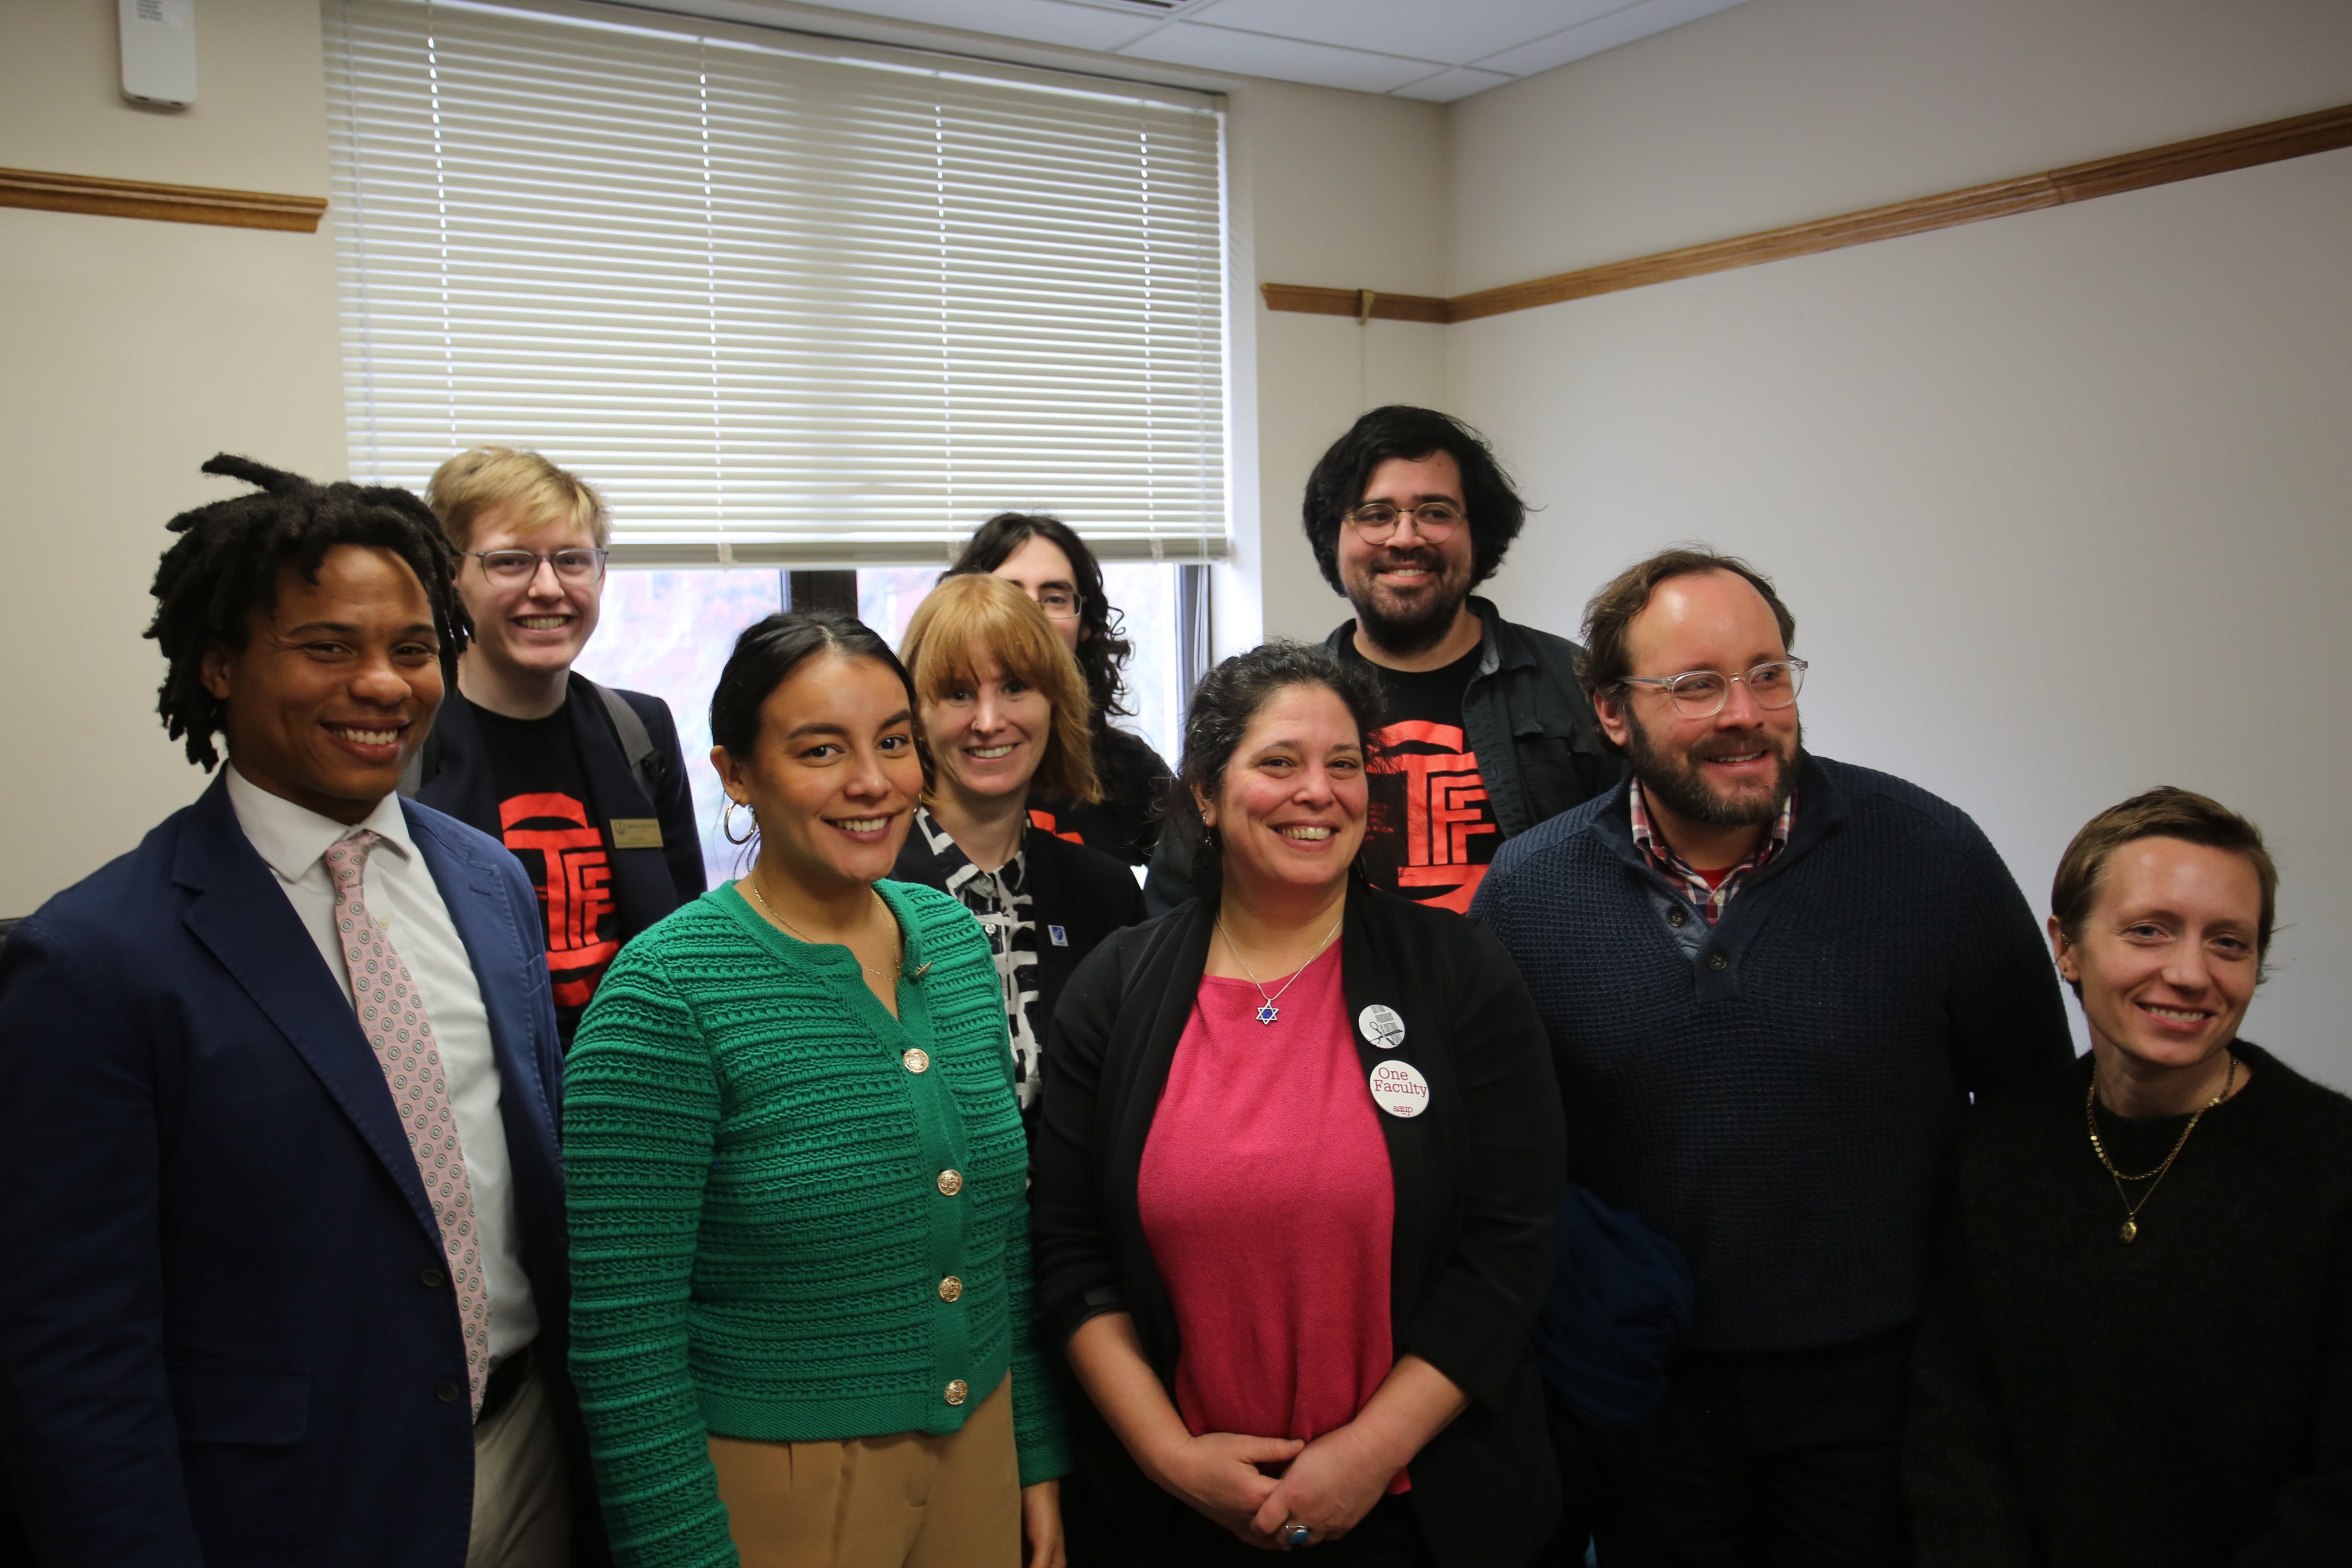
x=1775 y=1093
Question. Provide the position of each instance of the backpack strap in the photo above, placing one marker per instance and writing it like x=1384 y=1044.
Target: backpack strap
x=645 y=759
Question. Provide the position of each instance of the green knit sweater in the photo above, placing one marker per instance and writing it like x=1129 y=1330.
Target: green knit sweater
x=762 y=1214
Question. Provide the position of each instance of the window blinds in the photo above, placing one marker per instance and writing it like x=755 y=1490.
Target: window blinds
x=785 y=302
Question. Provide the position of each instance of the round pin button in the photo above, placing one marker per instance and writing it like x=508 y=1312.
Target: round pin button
x=951 y=1182
x=917 y=1059
x=950 y=1288
x=958 y=1392
x=1382 y=1026
x=1399 y=1089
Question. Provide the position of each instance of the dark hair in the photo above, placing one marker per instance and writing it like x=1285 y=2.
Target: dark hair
x=1102 y=651
x=1225 y=703
x=223 y=568
x=1493 y=508
x=2165 y=812
x=1604 y=662
x=766 y=655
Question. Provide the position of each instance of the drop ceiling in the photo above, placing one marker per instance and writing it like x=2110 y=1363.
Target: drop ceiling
x=1439 y=51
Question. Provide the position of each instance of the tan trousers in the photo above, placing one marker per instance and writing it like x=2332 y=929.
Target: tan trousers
x=522 y=1498
x=905 y=1501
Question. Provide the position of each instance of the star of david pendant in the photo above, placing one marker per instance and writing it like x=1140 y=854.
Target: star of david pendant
x=2127 y=1232
x=1268 y=1012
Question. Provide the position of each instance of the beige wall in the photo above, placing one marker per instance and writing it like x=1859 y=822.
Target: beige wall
x=1346 y=189
x=130 y=352
x=2059 y=500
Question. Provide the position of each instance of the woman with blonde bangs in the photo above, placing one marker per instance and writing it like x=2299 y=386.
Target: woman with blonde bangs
x=1001 y=706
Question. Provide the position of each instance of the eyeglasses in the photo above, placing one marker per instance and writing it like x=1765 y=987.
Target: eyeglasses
x=1376 y=524
x=1701 y=693
x=509 y=567
x=1060 y=603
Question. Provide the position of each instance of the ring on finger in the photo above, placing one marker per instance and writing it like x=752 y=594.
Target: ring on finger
x=1295 y=1535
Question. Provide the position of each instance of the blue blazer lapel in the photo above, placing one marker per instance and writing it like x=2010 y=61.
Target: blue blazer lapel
x=512 y=974
x=242 y=915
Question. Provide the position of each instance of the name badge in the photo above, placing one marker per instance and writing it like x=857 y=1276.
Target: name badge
x=1399 y=1089
x=1382 y=1026
x=637 y=833
x=1057 y=936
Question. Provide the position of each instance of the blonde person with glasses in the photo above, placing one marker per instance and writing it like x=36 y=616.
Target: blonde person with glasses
x=798 y=1174
x=1044 y=558
x=586 y=784
x=1003 y=709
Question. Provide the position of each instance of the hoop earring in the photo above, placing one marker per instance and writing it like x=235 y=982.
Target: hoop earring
x=726 y=822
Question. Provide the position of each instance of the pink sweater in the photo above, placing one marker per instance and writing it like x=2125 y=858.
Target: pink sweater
x=1266 y=1197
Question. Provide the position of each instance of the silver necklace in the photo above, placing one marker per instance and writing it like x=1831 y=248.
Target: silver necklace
x=1268 y=1012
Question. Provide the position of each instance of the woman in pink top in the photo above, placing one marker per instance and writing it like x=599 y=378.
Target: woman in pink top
x=1295 y=1181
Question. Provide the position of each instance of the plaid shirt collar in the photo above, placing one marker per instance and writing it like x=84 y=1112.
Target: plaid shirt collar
x=1710 y=899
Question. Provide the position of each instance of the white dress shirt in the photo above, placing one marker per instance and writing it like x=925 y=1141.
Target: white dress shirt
x=407 y=903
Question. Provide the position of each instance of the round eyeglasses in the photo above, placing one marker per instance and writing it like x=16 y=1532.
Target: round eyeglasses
x=1376 y=523
x=1701 y=693
x=509 y=567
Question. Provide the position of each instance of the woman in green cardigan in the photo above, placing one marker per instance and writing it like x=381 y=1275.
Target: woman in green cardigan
x=800 y=1255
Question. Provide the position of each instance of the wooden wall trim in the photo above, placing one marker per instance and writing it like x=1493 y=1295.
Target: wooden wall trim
x=168 y=204
x=2272 y=142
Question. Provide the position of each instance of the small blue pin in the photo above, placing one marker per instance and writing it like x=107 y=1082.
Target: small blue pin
x=1061 y=937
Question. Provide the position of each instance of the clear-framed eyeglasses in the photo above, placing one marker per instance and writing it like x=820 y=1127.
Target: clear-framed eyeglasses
x=1701 y=693
x=1060 y=603
x=1376 y=522
x=581 y=563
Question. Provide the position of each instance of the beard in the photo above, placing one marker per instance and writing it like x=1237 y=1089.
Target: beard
x=1673 y=781
x=1415 y=624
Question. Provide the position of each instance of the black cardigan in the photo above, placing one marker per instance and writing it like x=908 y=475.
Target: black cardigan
x=2183 y=1402
x=1477 y=1178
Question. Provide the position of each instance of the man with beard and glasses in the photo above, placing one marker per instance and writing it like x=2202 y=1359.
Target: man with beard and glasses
x=1771 y=983
x=1488 y=732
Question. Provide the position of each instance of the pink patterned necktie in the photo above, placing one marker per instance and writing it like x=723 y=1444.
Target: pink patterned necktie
x=393 y=1014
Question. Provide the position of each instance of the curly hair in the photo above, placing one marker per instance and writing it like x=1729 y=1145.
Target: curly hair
x=1494 y=511
x=1102 y=652
x=223 y=568
x=1225 y=703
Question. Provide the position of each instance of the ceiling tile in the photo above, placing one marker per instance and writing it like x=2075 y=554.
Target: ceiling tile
x=1190 y=43
x=1446 y=85
x=1038 y=21
x=1638 y=20
x=1454 y=34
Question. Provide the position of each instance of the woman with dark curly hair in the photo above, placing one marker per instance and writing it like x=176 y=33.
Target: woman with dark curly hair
x=1293 y=1187
x=1045 y=560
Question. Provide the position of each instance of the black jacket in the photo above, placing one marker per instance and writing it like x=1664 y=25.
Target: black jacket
x=1477 y=1184
x=1527 y=719
x=647 y=884
x=1124 y=823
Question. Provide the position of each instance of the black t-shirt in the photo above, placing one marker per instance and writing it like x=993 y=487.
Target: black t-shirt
x=1124 y=823
x=551 y=825
x=1431 y=832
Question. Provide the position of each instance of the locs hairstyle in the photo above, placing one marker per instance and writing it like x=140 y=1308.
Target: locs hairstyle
x=223 y=568
x=1101 y=653
x=1496 y=511
x=1225 y=703
x=768 y=652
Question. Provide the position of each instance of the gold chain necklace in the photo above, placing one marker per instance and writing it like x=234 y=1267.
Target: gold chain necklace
x=1268 y=1012
x=891 y=974
x=2128 y=1231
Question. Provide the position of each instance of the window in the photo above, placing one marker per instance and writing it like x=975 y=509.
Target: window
x=669 y=633
x=786 y=301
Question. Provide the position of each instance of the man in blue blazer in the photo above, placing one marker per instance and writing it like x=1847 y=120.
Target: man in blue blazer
x=279 y=1188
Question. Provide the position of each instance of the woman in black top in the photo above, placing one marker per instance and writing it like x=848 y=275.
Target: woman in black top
x=2137 y=1348
x=1042 y=557
x=1213 y=1142
x=1003 y=712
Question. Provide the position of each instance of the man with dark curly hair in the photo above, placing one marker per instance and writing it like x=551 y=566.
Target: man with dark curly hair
x=278 y=1176
x=1488 y=731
